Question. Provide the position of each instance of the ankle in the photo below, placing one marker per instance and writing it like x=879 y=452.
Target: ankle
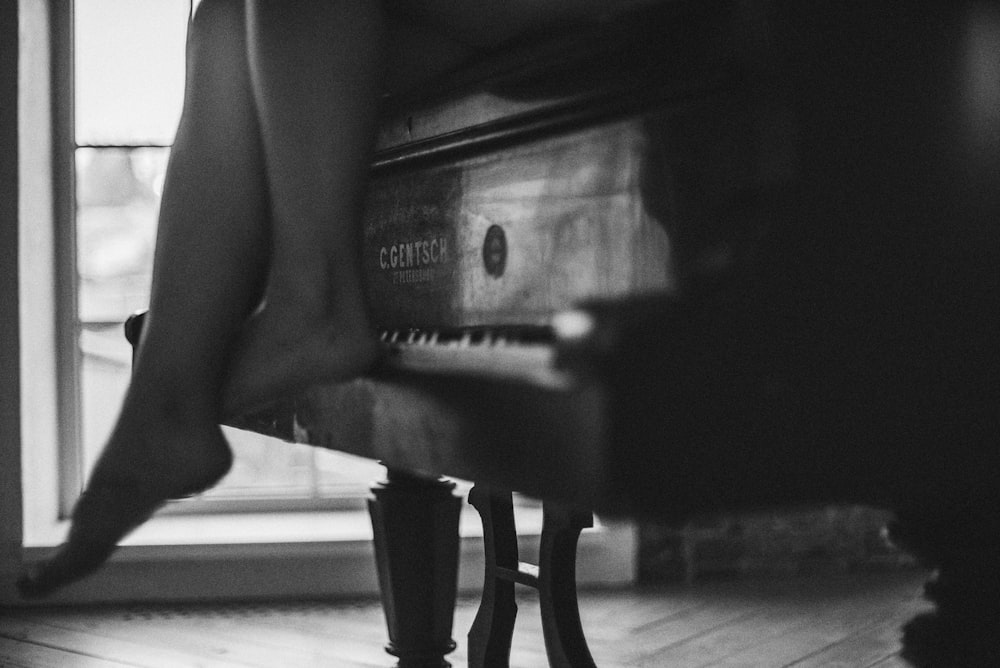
x=167 y=400
x=177 y=458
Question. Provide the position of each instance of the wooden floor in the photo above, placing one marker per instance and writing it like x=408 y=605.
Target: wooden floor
x=849 y=621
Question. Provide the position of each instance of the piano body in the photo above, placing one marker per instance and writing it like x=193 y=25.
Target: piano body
x=712 y=255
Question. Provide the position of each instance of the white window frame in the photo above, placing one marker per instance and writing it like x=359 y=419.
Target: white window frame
x=179 y=557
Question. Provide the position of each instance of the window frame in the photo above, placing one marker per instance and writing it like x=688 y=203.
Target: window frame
x=68 y=355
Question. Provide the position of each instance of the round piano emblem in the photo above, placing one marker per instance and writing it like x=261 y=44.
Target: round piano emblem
x=495 y=251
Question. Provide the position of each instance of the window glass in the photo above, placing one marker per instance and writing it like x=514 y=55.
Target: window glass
x=117 y=200
x=129 y=70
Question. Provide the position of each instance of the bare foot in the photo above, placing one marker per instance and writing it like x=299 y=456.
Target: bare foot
x=137 y=473
x=281 y=353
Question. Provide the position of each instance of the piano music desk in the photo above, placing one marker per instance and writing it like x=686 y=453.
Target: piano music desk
x=789 y=251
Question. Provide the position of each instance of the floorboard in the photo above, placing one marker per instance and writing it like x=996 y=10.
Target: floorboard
x=837 y=620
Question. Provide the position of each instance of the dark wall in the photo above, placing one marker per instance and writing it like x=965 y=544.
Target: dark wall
x=10 y=441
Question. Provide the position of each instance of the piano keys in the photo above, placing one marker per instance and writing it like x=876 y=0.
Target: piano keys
x=500 y=353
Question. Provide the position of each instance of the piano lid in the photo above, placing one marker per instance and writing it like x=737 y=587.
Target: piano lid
x=666 y=52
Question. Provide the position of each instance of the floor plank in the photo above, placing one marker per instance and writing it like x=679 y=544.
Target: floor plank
x=869 y=646
x=128 y=652
x=252 y=637
x=826 y=620
x=25 y=654
x=845 y=620
x=890 y=662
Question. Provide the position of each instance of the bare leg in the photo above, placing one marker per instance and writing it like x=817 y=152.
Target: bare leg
x=317 y=73
x=210 y=259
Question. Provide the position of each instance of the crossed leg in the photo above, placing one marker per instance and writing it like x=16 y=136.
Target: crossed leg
x=255 y=285
x=316 y=87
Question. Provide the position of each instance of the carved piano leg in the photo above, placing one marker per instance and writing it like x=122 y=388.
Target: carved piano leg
x=492 y=630
x=963 y=630
x=565 y=643
x=415 y=522
x=554 y=577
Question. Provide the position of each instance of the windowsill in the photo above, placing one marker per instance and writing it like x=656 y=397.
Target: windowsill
x=299 y=555
x=233 y=528
x=334 y=526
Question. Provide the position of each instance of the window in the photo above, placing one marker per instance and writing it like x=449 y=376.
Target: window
x=128 y=79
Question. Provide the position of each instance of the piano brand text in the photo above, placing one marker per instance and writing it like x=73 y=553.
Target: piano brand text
x=414 y=254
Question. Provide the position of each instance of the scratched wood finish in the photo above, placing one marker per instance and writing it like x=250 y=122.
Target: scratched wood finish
x=601 y=161
x=571 y=222
x=544 y=443
x=818 y=621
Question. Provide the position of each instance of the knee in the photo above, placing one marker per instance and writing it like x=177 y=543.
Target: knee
x=213 y=18
x=217 y=30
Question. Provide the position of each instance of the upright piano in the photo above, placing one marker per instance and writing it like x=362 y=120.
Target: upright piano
x=710 y=255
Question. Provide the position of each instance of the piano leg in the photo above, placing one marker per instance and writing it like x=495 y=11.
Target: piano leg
x=493 y=628
x=415 y=522
x=554 y=577
x=565 y=643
